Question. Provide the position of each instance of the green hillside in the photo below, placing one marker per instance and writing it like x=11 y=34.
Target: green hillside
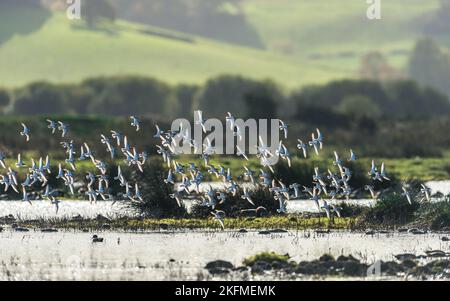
x=307 y=42
x=335 y=33
x=66 y=51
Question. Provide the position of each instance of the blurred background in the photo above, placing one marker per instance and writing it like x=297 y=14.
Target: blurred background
x=379 y=86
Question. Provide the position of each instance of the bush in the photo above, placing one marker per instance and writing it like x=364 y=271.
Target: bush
x=429 y=65
x=392 y=209
x=155 y=192
x=302 y=172
x=267 y=257
x=349 y=210
x=434 y=215
x=234 y=204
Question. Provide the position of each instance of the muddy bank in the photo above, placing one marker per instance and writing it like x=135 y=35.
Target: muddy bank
x=433 y=264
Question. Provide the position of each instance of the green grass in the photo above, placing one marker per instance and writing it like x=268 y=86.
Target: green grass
x=302 y=28
x=424 y=169
x=291 y=222
x=247 y=223
x=61 y=50
x=66 y=51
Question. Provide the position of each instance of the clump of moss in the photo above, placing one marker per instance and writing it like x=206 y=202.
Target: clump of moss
x=267 y=257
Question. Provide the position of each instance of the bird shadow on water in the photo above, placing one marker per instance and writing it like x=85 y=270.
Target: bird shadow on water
x=20 y=19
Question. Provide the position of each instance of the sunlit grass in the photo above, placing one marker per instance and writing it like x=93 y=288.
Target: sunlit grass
x=291 y=222
x=124 y=49
x=424 y=169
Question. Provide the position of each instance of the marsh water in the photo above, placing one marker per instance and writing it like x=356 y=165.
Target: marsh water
x=163 y=255
x=68 y=209
x=180 y=255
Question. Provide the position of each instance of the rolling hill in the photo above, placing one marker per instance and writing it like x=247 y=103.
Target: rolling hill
x=61 y=50
x=336 y=33
x=307 y=42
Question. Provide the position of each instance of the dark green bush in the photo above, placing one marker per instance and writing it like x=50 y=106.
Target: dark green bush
x=234 y=204
x=434 y=215
x=155 y=192
x=391 y=209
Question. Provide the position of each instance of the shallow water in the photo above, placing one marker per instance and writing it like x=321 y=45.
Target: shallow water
x=145 y=256
x=68 y=209
x=439 y=186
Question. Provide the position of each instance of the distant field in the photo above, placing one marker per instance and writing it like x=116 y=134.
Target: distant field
x=307 y=42
x=66 y=51
x=339 y=31
x=425 y=169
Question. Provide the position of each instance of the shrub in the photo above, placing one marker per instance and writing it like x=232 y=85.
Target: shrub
x=350 y=210
x=434 y=215
x=392 y=208
x=234 y=204
x=155 y=192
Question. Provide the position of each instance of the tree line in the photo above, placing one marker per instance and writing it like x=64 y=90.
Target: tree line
x=127 y=95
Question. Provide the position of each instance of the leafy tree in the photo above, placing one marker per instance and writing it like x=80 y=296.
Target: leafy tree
x=240 y=95
x=374 y=66
x=429 y=65
x=440 y=23
x=402 y=98
x=131 y=95
x=359 y=105
x=260 y=105
x=330 y=95
x=79 y=98
x=408 y=99
x=40 y=98
x=185 y=95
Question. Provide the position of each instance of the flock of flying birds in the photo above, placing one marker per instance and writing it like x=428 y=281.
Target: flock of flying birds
x=326 y=186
